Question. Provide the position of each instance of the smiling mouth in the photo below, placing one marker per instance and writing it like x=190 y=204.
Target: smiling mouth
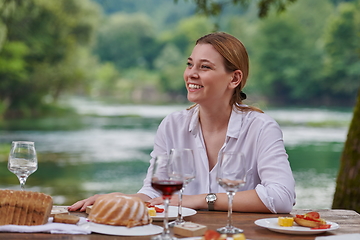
x=195 y=86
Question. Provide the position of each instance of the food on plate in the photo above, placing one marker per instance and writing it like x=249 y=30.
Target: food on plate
x=151 y=211
x=239 y=236
x=66 y=218
x=24 y=207
x=157 y=209
x=213 y=235
x=119 y=210
x=311 y=220
x=286 y=221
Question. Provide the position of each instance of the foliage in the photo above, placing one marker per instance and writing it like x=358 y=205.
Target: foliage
x=127 y=40
x=55 y=47
x=342 y=60
x=212 y=7
x=288 y=55
x=42 y=51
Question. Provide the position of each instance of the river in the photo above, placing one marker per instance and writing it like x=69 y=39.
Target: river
x=107 y=149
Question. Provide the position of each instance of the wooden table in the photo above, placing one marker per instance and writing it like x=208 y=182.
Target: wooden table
x=348 y=220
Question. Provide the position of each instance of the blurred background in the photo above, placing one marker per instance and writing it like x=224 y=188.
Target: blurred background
x=89 y=81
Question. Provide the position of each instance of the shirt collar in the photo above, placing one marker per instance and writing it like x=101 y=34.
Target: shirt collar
x=234 y=127
x=194 y=122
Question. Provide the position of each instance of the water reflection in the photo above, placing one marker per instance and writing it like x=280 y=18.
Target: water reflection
x=109 y=151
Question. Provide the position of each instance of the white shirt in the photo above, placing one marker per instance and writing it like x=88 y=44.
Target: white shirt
x=254 y=134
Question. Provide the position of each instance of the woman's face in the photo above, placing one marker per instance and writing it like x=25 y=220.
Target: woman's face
x=206 y=79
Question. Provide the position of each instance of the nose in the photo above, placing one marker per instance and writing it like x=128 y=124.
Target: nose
x=191 y=73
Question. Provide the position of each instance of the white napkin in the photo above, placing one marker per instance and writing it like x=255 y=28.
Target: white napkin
x=352 y=236
x=50 y=227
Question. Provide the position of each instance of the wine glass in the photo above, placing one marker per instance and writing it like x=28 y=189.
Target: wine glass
x=167 y=178
x=231 y=175
x=183 y=158
x=22 y=160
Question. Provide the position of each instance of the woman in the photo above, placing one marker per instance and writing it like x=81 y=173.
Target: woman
x=216 y=73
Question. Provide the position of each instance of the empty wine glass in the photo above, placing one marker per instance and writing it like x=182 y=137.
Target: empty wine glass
x=167 y=179
x=231 y=175
x=183 y=158
x=22 y=160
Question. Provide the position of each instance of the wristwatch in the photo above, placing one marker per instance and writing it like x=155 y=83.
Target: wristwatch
x=210 y=199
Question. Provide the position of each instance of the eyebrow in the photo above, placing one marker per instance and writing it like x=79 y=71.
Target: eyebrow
x=202 y=60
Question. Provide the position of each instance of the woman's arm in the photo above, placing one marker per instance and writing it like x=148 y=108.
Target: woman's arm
x=245 y=201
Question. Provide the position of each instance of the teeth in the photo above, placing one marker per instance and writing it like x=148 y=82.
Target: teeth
x=195 y=86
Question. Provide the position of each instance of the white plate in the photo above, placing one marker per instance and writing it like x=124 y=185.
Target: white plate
x=173 y=212
x=272 y=224
x=145 y=230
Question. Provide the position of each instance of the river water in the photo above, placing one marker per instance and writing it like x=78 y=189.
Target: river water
x=107 y=149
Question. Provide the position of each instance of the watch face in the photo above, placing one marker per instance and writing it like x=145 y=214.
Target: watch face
x=211 y=197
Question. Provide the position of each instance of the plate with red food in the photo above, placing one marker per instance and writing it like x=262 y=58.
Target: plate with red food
x=309 y=223
x=173 y=212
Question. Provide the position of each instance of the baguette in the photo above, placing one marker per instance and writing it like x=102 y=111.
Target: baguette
x=311 y=220
x=309 y=223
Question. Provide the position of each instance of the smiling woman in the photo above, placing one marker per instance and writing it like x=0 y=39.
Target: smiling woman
x=216 y=72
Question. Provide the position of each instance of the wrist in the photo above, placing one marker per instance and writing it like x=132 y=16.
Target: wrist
x=210 y=200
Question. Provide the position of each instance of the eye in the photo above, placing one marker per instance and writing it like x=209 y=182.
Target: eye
x=205 y=66
x=189 y=64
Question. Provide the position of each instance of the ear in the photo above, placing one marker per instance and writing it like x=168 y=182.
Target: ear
x=237 y=76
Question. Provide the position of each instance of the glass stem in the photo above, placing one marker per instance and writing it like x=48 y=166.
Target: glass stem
x=180 y=216
x=166 y=231
x=22 y=180
x=230 y=198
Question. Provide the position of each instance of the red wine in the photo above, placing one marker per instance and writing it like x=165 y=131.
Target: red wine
x=167 y=187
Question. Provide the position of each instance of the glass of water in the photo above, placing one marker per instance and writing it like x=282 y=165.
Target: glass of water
x=231 y=175
x=22 y=160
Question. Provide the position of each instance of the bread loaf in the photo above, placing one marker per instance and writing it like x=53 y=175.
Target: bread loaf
x=24 y=207
x=119 y=210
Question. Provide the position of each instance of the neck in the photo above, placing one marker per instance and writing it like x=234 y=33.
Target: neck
x=214 y=119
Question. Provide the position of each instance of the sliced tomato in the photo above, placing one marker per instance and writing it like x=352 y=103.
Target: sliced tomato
x=325 y=226
x=158 y=210
x=308 y=218
x=314 y=215
x=211 y=235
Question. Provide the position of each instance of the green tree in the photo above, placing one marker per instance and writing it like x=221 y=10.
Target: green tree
x=54 y=34
x=127 y=40
x=286 y=58
x=342 y=60
x=211 y=7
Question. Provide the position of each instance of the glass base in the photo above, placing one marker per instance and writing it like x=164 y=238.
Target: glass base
x=163 y=237
x=229 y=230
x=176 y=222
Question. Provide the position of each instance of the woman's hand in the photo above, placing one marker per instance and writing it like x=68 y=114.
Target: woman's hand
x=81 y=205
x=189 y=201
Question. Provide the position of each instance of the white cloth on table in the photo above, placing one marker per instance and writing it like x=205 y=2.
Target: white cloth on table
x=50 y=227
x=255 y=134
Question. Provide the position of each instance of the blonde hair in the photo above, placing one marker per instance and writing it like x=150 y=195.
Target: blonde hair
x=235 y=58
